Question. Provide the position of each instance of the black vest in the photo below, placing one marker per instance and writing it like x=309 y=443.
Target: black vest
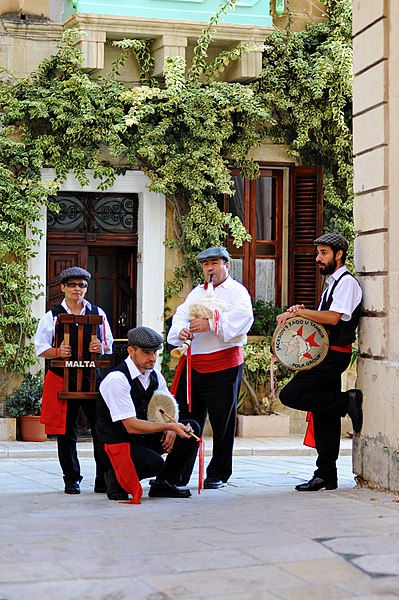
x=344 y=332
x=73 y=337
x=115 y=433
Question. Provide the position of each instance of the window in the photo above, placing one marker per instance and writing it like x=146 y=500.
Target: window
x=258 y=203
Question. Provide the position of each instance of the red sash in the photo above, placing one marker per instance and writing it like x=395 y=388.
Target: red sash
x=53 y=412
x=309 y=439
x=125 y=471
x=209 y=363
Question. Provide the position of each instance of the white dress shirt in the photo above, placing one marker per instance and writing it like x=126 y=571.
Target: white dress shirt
x=347 y=295
x=115 y=389
x=44 y=336
x=236 y=322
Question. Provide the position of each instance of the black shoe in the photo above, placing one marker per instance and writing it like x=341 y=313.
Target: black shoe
x=355 y=409
x=72 y=487
x=100 y=486
x=211 y=483
x=114 y=490
x=315 y=484
x=164 y=489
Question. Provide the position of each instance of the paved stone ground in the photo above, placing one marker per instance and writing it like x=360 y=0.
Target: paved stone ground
x=254 y=539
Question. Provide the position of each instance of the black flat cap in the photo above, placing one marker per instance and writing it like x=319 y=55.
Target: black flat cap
x=72 y=272
x=332 y=239
x=144 y=337
x=218 y=252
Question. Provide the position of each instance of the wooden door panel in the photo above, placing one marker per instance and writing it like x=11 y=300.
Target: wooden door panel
x=57 y=260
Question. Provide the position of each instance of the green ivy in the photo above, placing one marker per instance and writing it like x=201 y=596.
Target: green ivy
x=306 y=84
x=185 y=135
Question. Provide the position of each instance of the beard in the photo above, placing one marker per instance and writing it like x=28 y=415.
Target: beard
x=329 y=268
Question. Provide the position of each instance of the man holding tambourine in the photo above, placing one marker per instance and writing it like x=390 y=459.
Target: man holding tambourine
x=317 y=389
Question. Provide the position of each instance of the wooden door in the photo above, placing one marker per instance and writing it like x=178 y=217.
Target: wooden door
x=58 y=259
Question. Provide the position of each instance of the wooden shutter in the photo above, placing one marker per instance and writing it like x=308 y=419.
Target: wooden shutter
x=306 y=210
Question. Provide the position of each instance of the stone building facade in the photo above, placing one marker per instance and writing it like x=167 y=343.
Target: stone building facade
x=376 y=213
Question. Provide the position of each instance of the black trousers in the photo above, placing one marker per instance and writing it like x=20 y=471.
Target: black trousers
x=319 y=391
x=146 y=451
x=215 y=394
x=66 y=444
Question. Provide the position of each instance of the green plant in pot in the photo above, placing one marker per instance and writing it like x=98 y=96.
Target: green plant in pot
x=27 y=399
x=25 y=403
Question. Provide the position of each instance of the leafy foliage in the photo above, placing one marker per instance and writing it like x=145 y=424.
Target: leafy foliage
x=185 y=135
x=265 y=314
x=306 y=84
x=26 y=400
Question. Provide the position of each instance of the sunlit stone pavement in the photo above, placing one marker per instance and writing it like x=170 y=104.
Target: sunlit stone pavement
x=255 y=539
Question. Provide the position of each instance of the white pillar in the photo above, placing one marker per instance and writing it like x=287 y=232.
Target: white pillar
x=151 y=260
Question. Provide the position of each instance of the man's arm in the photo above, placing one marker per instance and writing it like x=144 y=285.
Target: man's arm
x=238 y=320
x=324 y=317
x=139 y=426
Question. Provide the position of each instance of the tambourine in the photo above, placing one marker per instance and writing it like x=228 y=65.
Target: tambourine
x=300 y=344
x=161 y=404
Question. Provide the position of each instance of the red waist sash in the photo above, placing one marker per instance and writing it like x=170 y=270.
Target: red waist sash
x=207 y=363
x=217 y=361
x=347 y=348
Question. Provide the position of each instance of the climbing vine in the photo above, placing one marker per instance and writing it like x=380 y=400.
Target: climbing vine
x=306 y=84
x=185 y=135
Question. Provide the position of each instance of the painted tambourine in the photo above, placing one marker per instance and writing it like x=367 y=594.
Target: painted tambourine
x=161 y=404
x=300 y=344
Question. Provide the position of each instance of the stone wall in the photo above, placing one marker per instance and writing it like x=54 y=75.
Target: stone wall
x=376 y=183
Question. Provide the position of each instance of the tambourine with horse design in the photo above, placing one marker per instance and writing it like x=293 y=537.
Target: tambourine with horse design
x=300 y=344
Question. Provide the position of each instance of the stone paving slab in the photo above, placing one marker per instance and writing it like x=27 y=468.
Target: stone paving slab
x=254 y=539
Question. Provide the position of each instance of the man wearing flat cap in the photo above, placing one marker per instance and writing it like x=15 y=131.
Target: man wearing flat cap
x=318 y=390
x=215 y=360
x=133 y=444
x=61 y=416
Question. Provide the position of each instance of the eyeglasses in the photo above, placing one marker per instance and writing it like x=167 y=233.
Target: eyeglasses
x=73 y=284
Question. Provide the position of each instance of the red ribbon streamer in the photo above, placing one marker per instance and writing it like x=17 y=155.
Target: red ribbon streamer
x=104 y=333
x=201 y=464
x=189 y=378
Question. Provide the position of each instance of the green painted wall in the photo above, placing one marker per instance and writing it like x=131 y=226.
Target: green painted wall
x=246 y=12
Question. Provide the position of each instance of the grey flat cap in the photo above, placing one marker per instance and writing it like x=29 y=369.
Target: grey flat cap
x=144 y=337
x=71 y=272
x=332 y=239
x=219 y=252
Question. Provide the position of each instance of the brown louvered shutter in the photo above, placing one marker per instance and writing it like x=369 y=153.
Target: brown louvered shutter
x=307 y=221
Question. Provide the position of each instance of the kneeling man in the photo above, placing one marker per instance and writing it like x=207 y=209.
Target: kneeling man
x=134 y=445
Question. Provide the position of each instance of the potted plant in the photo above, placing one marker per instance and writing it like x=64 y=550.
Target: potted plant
x=25 y=403
x=257 y=398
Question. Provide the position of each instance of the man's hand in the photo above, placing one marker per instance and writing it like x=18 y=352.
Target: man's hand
x=184 y=334
x=199 y=325
x=168 y=441
x=290 y=312
x=95 y=346
x=180 y=429
x=65 y=350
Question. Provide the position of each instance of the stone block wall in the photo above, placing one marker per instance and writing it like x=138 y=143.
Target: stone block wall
x=376 y=185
